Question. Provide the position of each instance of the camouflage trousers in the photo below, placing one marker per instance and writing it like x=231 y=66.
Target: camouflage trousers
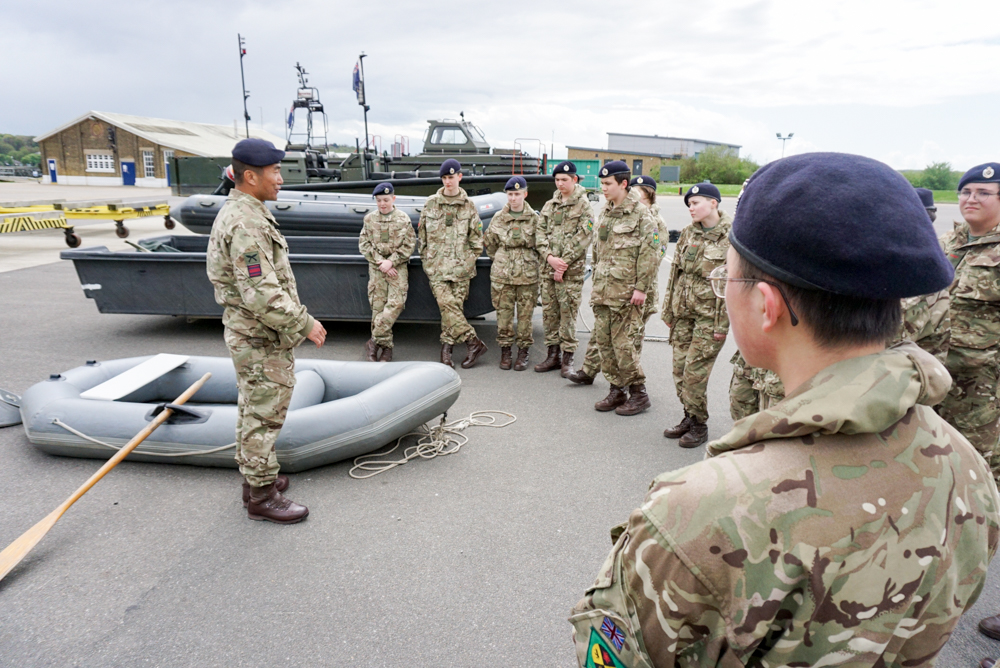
x=265 y=377
x=695 y=350
x=592 y=360
x=387 y=297
x=507 y=299
x=972 y=406
x=614 y=335
x=743 y=399
x=450 y=296
x=560 y=304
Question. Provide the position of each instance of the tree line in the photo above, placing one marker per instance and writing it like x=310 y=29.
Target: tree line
x=19 y=149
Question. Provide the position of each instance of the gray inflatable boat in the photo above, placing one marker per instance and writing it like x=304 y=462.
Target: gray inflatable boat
x=339 y=410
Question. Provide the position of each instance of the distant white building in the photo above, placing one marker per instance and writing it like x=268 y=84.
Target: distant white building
x=102 y=148
x=643 y=153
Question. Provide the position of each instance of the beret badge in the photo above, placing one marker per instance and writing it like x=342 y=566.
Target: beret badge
x=517 y=186
x=694 y=191
x=385 y=190
x=988 y=173
x=565 y=168
x=451 y=170
x=604 y=172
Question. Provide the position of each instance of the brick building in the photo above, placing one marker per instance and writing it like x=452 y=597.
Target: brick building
x=101 y=148
x=644 y=152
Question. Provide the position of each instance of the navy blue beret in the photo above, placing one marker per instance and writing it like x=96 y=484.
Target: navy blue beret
x=614 y=167
x=988 y=172
x=516 y=183
x=450 y=166
x=704 y=189
x=257 y=152
x=383 y=189
x=565 y=167
x=643 y=181
x=811 y=220
x=926 y=197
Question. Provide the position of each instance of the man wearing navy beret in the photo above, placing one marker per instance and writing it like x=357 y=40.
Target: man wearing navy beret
x=451 y=238
x=264 y=321
x=848 y=523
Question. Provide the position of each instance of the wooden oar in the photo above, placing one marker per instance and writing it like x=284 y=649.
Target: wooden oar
x=17 y=550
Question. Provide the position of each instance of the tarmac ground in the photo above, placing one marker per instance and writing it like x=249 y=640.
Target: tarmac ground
x=473 y=559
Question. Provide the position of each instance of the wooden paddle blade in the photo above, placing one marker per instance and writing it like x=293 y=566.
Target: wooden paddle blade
x=16 y=551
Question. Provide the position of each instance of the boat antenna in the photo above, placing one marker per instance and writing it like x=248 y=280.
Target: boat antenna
x=246 y=93
x=359 y=88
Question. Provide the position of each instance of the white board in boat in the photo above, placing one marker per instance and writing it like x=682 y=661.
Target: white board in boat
x=136 y=377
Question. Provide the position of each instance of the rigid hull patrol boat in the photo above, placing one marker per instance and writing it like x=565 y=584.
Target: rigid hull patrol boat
x=339 y=410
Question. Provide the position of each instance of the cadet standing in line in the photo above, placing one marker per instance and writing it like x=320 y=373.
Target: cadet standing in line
x=564 y=228
x=626 y=258
x=850 y=525
x=510 y=241
x=643 y=188
x=387 y=241
x=973 y=248
x=248 y=264
x=451 y=238
x=696 y=317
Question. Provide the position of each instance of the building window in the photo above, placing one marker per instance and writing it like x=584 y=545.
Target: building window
x=100 y=162
x=148 y=164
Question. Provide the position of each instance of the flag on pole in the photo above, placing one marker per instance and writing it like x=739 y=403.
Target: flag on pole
x=291 y=117
x=359 y=83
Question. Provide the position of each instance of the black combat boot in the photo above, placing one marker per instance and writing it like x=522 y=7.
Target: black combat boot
x=696 y=435
x=521 y=363
x=580 y=377
x=551 y=362
x=567 y=364
x=616 y=397
x=638 y=401
x=446 y=349
x=267 y=503
x=476 y=348
x=371 y=350
x=280 y=484
x=505 y=361
x=386 y=355
x=682 y=427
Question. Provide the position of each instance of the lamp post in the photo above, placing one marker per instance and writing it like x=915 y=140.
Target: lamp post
x=783 y=140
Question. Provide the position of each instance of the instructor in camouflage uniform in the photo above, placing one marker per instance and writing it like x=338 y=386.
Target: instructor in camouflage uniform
x=564 y=228
x=451 y=238
x=626 y=258
x=974 y=352
x=696 y=317
x=510 y=242
x=387 y=240
x=248 y=264
x=849 y=525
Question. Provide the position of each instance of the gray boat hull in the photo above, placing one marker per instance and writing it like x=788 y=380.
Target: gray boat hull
x=339 y=410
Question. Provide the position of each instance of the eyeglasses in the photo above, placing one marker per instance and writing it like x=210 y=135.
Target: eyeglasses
x=978 y=195
x=719 y=278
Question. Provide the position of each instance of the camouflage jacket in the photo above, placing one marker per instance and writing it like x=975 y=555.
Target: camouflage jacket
x=564 y=230
x=767 y=383
x=388 y=237
x=510 y=241
x=451 y=237
x=689 y=293
x=626 y=253
x=848 y=524
x=247 y=262
x=661 y=226
x=927 y=322
x=975 y=314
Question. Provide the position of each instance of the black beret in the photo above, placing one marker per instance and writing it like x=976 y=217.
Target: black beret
x=811 y=220
x=565 y=167
x=988 y=172
x=384 y=188
x=450 y=166
x=643 y=181
x=704 y=189
x=257 y=152
x=614 y=167
x=926 y=196
x=516 y=183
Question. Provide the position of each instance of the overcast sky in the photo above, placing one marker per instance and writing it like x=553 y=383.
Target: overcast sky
x=908 y=83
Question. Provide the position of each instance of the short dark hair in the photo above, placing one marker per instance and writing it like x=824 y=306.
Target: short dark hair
x=650 y=193
x=240 y=167
x=835 y=320
x=623 y=177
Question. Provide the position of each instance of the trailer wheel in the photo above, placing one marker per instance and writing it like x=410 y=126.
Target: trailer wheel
x=169 y=223
x=121 y=231
x=73 y=240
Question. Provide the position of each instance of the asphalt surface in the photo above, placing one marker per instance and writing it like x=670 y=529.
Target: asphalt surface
x=468 y=560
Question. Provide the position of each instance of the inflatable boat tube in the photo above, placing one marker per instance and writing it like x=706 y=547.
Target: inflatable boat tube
x=10 y=409
x=339 y=410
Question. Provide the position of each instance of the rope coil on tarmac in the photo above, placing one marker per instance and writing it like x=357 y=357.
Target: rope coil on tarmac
x=59 y=423
x=444 y=439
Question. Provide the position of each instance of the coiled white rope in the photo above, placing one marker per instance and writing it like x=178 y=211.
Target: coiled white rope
x=60 y=423
x=444 y=439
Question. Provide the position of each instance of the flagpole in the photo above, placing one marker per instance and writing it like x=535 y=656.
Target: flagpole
x=246 y=114
x=364 y=96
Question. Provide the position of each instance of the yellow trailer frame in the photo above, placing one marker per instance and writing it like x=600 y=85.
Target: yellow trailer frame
x=28 y=221
x=118 y=212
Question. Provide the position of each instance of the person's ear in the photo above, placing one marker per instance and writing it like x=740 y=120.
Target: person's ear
x=773 y=306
